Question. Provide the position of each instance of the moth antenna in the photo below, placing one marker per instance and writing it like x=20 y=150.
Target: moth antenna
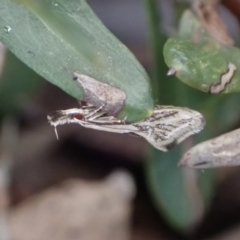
x=56 y=133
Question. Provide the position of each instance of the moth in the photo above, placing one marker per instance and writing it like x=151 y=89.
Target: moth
x=217 y=152
x=165 y=128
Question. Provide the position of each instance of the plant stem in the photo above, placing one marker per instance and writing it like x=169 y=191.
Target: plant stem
x=156 y=43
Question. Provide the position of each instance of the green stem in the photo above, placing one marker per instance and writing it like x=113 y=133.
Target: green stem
x=155 y=43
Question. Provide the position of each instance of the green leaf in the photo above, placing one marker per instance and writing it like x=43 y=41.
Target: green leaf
x=57 y=38
x=202 y=65
x=199 y=60
x=168 y=184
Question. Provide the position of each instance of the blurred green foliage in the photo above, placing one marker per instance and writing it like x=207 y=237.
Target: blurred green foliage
x=170 y=185
x=17 y=83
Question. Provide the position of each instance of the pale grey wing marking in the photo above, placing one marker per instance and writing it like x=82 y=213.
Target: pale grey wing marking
x=169 y=125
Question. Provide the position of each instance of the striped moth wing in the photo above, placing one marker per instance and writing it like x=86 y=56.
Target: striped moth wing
x=170 y=125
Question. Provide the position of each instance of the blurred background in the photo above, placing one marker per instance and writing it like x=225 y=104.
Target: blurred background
x=97 y=185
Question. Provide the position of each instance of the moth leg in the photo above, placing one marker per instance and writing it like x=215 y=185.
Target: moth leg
x=92 y=113
x=56 y=133
x=85 y=105
x=94 y=116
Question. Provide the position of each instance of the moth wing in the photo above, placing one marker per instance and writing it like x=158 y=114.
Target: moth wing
x=169 y=125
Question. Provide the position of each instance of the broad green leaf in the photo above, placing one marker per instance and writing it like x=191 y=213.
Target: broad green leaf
x=57 y=38
x=169 y=185
x=202 y=65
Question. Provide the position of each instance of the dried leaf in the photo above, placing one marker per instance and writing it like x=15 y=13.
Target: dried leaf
x=221 y=151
